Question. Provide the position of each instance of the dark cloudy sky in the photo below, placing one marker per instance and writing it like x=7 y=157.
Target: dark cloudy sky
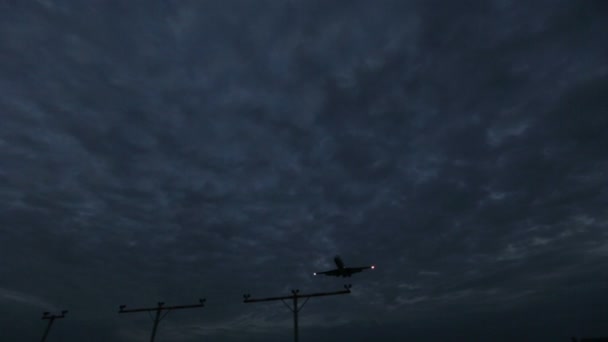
x=170 y=150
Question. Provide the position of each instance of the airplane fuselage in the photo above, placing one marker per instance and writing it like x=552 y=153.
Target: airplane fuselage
x=341 y=269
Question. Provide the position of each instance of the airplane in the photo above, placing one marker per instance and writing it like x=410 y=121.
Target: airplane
x=342 y=271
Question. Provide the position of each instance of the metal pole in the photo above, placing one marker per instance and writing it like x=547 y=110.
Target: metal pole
x=48 y=328
x=156 y=320
x=295 y=316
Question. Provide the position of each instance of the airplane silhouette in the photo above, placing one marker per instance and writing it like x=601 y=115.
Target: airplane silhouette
x=342 y=271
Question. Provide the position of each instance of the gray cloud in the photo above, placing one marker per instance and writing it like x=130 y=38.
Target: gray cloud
x=171 y=151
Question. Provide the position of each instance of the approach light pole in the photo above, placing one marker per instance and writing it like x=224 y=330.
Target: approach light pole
x=159 y=309
x=294 y=297
x=51 y=318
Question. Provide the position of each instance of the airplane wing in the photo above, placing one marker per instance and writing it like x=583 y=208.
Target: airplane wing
x=335 y=273
x=358 y=269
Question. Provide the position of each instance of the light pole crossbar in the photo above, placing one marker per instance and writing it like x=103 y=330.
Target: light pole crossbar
x=158 y=310
x=294 y=297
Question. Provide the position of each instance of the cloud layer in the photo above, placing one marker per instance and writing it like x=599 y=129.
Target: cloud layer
x=172 y=151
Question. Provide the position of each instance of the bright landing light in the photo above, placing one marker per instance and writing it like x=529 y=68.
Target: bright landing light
x=373 y=267
x=314 y=273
